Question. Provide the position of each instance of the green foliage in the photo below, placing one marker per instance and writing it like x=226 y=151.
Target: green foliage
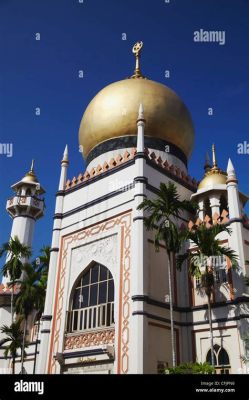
x=163 y=212
x=191 y=368
x=32 y=291
x=13 y=340
x=208 y=246
x=15 y=251
x=42 y=261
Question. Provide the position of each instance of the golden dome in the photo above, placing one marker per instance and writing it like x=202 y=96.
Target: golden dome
x=30 y=176
x=214 y=178
x=113 y=113
x=214 y=175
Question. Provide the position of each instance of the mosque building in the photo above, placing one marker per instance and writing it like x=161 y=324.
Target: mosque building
x=107 y=308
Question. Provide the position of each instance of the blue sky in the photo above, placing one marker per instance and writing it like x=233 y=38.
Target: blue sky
x=88 y=36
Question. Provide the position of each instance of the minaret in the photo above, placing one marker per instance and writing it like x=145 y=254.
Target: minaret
x=47 y=315
x=140 y=268
x=235 y=216
x=25 y=208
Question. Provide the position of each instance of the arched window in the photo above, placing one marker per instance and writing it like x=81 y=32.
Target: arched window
x=92 y=304
x=221 y=360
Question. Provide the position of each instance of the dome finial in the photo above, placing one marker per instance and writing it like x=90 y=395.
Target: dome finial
x=214 y=156
x=32 y=166
x=137 y=51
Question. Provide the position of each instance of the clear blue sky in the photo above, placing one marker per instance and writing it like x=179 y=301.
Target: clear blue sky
x=88 y=37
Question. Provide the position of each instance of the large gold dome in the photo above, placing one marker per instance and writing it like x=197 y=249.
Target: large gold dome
x=113 y=113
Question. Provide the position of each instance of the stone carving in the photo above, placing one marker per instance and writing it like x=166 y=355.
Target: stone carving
x=90 y=339
x=104 y=250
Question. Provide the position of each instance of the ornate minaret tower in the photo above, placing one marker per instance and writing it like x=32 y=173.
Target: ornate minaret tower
x=25 y=207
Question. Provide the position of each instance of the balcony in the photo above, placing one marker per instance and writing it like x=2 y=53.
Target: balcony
x=91 y=326
x=18 y=204
x=90 y=318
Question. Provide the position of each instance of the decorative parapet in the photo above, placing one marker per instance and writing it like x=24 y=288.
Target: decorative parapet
x=122 y=159
x=94 y=338
x=223 y=218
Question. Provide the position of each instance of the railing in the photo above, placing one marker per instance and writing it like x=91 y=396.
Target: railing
x=90 y=318
x=34 y=332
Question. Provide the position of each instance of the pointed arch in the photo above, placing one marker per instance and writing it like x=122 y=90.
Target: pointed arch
x=221 y=359
x=92 y=300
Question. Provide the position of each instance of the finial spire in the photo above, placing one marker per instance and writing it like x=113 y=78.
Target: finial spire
x=214 y=156
x=32 y=166
x=137 y=51
x=230 y=169
x=141 y=111
x=65 y=155
x=140 y=129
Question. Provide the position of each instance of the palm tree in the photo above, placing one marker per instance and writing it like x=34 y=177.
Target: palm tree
x=41 y=264
x=14 y=336
x=14 y=251
x=163 y=213
x=42 y=261
x=42 y=283
x=208 y=246
x=30 y=297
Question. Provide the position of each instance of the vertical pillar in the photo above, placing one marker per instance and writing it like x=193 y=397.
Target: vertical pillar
x=139 y=341
x=48 y=309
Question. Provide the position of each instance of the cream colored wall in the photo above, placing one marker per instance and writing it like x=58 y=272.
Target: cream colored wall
x=158 y=276
x=159 y=347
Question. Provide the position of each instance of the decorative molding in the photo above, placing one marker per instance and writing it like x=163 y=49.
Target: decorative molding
x=163 y=166
x=125 y=142
x=148 y=300
x=46 y=317
x=178 y=323
x=77 y=237
x=55 y=249
x=104 y=249
x=88 y=339
x=222 y=218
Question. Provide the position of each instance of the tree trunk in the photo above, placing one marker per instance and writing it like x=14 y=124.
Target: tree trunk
x=12 y=304
x=171 y=313
x=36 y=345
x=23 y=344
x=13 y=365
x=211 y=331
